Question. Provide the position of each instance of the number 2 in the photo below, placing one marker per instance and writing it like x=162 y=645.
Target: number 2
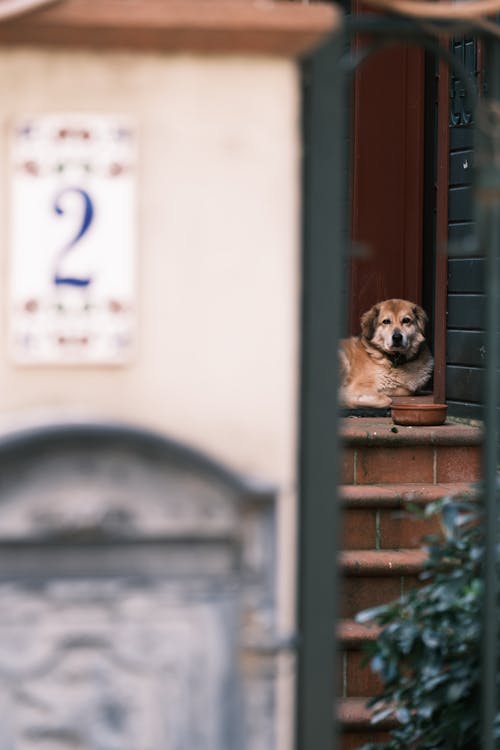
x=59 y=278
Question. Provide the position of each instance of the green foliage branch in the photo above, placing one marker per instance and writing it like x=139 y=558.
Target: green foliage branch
x=428 y=652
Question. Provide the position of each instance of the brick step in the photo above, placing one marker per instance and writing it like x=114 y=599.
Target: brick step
x=356 y=678
x=375 y=516
x=354 y=740
x=362 y=563
x=352 y=713
x=378 y=452
x=397 y=495
x=384 y=468
x=353 y=635
x=381 y=431
x=372 y=577
x=355 y=726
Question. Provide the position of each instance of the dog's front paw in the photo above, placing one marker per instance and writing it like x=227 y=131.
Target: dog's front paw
x=364 y=400
x=382 y=402
x=374 y=400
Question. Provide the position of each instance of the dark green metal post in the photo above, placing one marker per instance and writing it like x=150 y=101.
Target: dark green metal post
x=325 y=222
x=488 y=202
x=325 y=229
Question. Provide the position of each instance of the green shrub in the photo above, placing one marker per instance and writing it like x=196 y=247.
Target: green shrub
x=428 y=652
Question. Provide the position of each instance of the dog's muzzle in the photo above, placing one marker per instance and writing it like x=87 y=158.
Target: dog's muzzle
x=397 y=337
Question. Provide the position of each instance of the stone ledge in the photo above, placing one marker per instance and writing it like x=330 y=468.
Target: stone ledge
x=374 y=431
x=272 y=27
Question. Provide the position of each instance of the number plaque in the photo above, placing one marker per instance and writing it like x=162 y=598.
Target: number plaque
x=72 y=240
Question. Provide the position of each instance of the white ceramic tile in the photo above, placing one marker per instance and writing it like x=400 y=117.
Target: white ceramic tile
x=72 y=240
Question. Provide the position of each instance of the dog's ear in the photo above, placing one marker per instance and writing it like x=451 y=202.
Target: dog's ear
x=369 y=322
x=421 y=318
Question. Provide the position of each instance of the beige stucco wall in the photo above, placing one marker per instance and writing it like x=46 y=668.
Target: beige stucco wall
x=218 y=217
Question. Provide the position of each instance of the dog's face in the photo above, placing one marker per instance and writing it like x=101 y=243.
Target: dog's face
x=395 y=326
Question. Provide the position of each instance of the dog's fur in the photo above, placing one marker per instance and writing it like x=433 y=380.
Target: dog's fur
x=389 y=358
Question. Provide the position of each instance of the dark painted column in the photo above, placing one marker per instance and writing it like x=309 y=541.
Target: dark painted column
x=488 y=207
x=325 y=221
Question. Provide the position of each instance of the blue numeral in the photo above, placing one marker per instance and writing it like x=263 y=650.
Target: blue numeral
x=87 y=218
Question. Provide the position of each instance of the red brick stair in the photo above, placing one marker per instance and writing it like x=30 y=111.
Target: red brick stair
x=385 y=468
x=355 y=718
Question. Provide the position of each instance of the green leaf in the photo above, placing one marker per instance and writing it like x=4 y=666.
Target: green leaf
x=372 y=614
x=428 y=652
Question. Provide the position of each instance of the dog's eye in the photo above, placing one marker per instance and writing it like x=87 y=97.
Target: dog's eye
x=405 y=321
x=386 y=322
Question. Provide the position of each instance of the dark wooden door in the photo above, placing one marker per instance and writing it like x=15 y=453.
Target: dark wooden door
x=387 y=179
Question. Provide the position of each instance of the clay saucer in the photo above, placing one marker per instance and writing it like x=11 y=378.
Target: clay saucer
x=418 y=414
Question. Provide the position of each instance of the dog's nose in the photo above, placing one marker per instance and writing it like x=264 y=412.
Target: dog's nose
x=397 y=337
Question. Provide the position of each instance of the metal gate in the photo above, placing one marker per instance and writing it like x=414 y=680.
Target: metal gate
x=324 y=261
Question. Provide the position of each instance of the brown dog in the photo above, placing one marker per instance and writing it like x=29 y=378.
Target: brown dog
x=390 y=358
